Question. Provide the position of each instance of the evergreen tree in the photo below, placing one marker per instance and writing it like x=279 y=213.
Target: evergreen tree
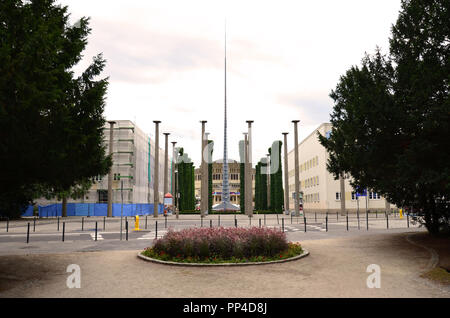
x=242 y=176
x=51 y=123
x=391 y=118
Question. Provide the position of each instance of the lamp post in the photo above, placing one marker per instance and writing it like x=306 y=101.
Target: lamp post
x=297 y=183
x=110 y=174
x=156 y=177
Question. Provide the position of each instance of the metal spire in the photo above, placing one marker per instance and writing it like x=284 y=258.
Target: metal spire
x=225 y=184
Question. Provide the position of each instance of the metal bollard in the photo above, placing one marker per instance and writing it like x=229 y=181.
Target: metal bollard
x=282 y=223
x=156 y=229
x=291 y=218
x=28 y=233
x=7 y=225
x=201 y=221
x=58 y=223
x=337 y=216
x=104 y=223
x=95 y=231
x=146 y=222
x=210 y=224
x=82 y=223
x=315 y=216
x=347 y=220
x=126 y=228
x=235 y=222
x=407 y=219
x=367 y=221
x=326 y=223
x=260 y=223
x=358 y=220
x=387 y=221
x=264 y=219
x=304 y=221
x=34 y=224
x=278 y=222
x=219 y=221
x=165 y=221
x=64 y=231
x=249 y=220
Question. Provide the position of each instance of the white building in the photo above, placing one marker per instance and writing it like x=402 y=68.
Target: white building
x=133 y=149
x=321 y=192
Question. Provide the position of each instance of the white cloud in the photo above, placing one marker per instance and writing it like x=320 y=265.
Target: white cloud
x=165 y=62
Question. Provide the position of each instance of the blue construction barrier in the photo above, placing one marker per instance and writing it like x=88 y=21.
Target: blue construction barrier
x=94 y=209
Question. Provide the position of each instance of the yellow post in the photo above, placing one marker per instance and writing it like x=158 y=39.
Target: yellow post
x=401 y=213
x=136 y=223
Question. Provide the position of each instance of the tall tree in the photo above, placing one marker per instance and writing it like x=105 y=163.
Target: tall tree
x=50 y=121
x=391 y=118
x=242 y=176
x=276 y=179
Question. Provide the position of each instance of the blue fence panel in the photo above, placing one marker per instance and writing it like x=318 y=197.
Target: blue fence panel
x=95 y=209
x=100 y=209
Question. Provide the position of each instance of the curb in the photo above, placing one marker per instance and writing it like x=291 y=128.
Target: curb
x=153 y=260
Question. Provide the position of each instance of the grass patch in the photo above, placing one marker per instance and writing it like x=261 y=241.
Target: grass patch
x=439 y=275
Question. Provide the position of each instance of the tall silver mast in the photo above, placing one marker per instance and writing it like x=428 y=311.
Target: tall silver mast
x=225 y=184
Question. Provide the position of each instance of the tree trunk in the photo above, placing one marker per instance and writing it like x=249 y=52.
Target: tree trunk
x=64 y=206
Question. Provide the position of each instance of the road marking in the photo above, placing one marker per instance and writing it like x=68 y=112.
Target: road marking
x=99 y=236
x=151 y=236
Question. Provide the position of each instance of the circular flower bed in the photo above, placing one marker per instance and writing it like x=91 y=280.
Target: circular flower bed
x=223 y=245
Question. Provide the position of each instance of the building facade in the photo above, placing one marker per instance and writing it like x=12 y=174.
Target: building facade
x=234 y=178
x=133 y=168
x=321 y=192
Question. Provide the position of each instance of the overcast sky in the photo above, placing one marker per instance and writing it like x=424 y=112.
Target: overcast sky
x=165 y=61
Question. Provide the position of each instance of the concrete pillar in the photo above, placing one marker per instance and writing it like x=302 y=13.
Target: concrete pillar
x=166 y=163
x=297 y=181
x=342 y=183
x=286 y=174
x=204 y=174
x=248 y=175
x=173 y=183
x=156 y=174
x=110 y=174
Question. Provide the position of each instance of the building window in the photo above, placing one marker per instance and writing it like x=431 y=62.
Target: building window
x=117 y=176
x=102 y=196
x=353 y=196
x=374 y=196
x=338 y=196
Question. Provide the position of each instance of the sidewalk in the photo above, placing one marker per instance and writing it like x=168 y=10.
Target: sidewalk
x=334 y=268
